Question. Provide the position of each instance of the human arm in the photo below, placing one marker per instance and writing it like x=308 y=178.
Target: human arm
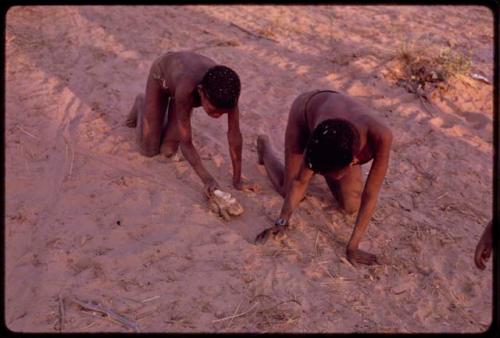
x=183 y=111
x=382 y=142
x=235 y=142
x=294 y=195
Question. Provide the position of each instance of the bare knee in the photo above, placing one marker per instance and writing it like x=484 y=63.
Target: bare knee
x=169 y=148
x=351 y=205
x=147 y=148
x=148 y=152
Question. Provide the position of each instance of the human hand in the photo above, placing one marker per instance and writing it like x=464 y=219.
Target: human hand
x=278 y=231
x=210 y=186
x=357 y=256
x=483 y=249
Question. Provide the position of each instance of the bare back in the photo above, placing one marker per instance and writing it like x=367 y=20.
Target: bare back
x=311 y=108
x=181 y=72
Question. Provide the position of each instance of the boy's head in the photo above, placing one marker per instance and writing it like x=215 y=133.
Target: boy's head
x=332 y=146
x=221 y=87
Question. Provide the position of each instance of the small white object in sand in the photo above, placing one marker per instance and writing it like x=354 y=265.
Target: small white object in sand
x=224 y=204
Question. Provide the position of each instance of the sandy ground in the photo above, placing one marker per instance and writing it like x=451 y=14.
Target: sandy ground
x=90 y=220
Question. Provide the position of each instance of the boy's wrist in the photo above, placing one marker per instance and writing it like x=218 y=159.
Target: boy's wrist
x=281 y=222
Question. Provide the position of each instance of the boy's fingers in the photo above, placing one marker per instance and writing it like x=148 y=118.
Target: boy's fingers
x=262 y=237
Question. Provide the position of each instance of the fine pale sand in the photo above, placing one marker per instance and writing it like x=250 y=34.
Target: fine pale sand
x=100 y=238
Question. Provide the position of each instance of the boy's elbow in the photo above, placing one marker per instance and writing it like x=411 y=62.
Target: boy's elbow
x=387 y=136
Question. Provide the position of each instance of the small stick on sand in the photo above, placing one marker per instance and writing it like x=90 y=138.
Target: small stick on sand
x=66 y=154
x=110 y=313
x=71 y=164
x=441 y=196
x=88 y=326
x=65 y=150
x=449 y=236
x=150 y=299
x=235 y=312
x=346 y=261
x=251 y=33
x=316 y=243
x=327 y=272
x=235 y=316
x=29 y=134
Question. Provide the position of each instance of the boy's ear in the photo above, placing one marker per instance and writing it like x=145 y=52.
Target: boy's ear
x=200 y=89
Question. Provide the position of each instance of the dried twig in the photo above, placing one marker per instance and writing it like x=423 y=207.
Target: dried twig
x=65 y=150
x=110 y=313
x=251 y=33
x=88 y=326
x=27 y=133
x=71 y=164
x=150 y=299
x=235 y=316
x=422 y=100
x=346 y=261
x=327 y=272
x=235 y=312
x=441 y=196
x=316 y=243
x=66 y=154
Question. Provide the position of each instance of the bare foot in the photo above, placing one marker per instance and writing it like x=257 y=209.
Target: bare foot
x=262 y=142
x=361 y=257
x=169 y=148
x=131 y=120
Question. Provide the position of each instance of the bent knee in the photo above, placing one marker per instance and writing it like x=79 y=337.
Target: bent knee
x=352 y=205
x=148 y=152
x=350 y=209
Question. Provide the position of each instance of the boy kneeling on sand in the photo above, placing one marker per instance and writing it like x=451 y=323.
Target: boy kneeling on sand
x=331 y=134
x=179 y=82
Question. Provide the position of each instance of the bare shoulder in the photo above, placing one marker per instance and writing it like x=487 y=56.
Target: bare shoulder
x=297 y=130
x=184 y=67
x=378 y=131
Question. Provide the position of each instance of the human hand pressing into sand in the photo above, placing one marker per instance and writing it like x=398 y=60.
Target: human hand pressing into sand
x=278 y=231
x=356 y=256
x=484 y=247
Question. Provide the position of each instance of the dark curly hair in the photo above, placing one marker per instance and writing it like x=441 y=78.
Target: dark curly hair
x=331 y=146
x=222 y=86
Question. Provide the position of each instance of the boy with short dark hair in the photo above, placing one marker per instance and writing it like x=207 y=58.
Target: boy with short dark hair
x=331 y=134
x=178 y=82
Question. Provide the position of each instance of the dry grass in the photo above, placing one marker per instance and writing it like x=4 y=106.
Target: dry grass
x=423 y=68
